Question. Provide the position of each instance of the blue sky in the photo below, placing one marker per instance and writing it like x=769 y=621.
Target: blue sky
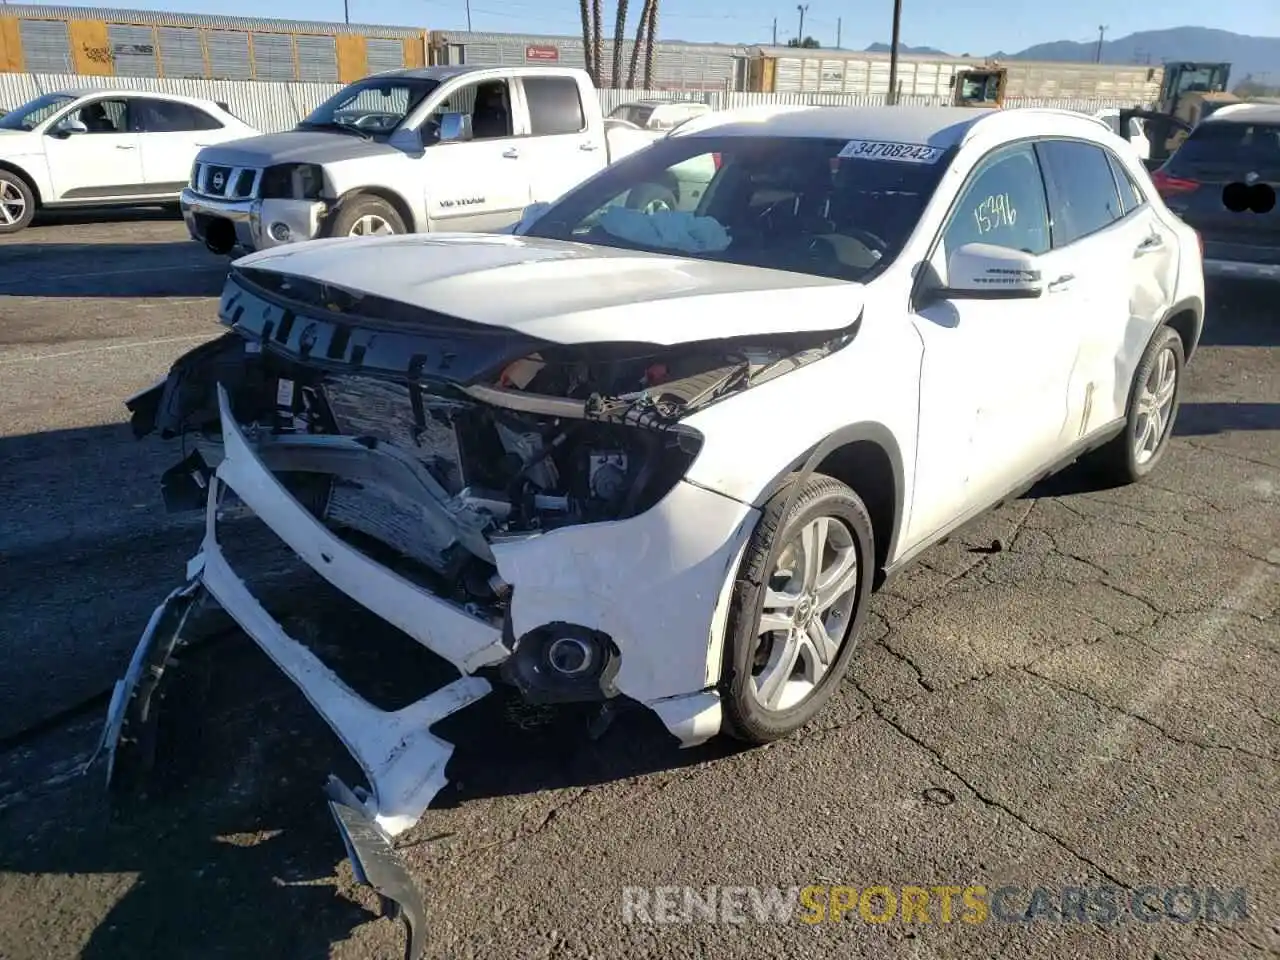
x=976 y=26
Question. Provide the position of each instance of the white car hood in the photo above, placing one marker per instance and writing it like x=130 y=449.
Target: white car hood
x=571 y=292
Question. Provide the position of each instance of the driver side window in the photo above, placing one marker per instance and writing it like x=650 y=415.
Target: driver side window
x=102 y=116
x=488 y=104
x=1004 y=204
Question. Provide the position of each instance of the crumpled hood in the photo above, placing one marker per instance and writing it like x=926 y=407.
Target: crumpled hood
x=294 y=146
x=570 y=292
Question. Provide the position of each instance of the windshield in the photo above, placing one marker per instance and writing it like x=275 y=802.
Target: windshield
x=373 y=106
x=784 y=203
x=30 y=115
x=632 y=113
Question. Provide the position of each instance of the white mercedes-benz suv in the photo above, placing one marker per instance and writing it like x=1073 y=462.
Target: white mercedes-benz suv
x=665 y=455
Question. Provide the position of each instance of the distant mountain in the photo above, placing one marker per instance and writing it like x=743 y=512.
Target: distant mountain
x=903 y=48
x=1254 y=56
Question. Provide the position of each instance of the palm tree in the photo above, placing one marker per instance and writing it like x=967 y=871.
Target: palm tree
x=635 y=47
x=597 y=17
x=586 y=35
x=619 y=35
x=649 y=41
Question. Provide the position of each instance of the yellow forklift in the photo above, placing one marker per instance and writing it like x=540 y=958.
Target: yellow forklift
x=1189 y=93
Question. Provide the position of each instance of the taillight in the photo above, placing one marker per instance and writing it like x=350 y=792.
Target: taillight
x=715 y=160
x=1168 y=186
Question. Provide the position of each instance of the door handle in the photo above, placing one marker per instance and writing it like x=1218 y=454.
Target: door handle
x=123 y=146
x=1153 y=242
x=1062 y=283
x=588 y=147
x=511 y=154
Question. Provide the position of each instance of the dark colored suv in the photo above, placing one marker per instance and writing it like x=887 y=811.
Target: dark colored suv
x=1222 y=181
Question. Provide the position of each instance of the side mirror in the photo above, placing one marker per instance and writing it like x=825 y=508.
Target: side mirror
x=984 y=271
x=69 y=126
x=455 y=127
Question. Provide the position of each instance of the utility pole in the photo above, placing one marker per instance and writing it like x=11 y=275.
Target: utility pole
x=837 y=33
x=1102 y=32
x=802 y=7
x=468 y=16
x=346 y=12
x=893 y=53
x=775 y=31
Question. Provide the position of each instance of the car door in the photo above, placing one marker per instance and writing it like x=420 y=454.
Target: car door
x=103 y=161
x=995 y=371
x=560 y=150
x=170 y=133
x=482 y=183
x=1125 y=264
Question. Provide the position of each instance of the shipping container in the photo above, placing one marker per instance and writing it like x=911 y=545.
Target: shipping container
x=141 y=43
x=791 y=70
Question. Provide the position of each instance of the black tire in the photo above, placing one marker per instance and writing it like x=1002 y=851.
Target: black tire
x=1117 y=463
x=10 y=181
x=354 y=208
x=651 y=197
x=745 y=717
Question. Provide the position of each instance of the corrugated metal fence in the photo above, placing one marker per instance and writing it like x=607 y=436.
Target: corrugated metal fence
x=276 y=106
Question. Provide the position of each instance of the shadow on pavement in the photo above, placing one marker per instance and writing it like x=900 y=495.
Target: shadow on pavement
x=164 y=269
x=87 y=215
x=1241 y=313
x=1200 y=419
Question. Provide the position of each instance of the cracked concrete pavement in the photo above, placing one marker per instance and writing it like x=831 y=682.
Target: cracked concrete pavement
x=1097 y=702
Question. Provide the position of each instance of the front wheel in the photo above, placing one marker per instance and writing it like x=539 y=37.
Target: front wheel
x=363 y=215
x=799 y=603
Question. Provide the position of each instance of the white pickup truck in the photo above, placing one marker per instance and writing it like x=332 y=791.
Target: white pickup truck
x=418 y=150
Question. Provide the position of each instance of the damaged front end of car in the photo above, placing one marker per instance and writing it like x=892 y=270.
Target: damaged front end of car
x=532 y=493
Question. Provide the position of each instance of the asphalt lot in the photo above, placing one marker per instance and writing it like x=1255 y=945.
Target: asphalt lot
x=1096 y=703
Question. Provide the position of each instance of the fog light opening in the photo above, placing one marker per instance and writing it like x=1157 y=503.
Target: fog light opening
x=280 y=232
x=570 y=657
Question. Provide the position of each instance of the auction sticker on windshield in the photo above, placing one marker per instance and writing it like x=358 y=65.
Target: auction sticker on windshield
x=882 y=150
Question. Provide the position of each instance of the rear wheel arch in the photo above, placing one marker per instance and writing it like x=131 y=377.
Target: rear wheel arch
x=865 y=457
x=1187 y=318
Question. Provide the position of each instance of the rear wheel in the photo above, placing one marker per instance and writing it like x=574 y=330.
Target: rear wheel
x=17 y=202
x=799 y=603
x=1154 y=399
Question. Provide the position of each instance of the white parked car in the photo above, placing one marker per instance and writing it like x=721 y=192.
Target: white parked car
x=664 y=458
x=80 y=148
x=658 y=114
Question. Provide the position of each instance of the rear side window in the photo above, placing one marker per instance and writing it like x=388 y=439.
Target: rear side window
x=169 y=116
x=555 y=106
x=1130 y=193
x=1083 y=197
x=1003 y=204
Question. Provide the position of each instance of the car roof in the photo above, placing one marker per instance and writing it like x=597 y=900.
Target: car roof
x=78 y=92
x=1245 y=113
x=937 y=126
